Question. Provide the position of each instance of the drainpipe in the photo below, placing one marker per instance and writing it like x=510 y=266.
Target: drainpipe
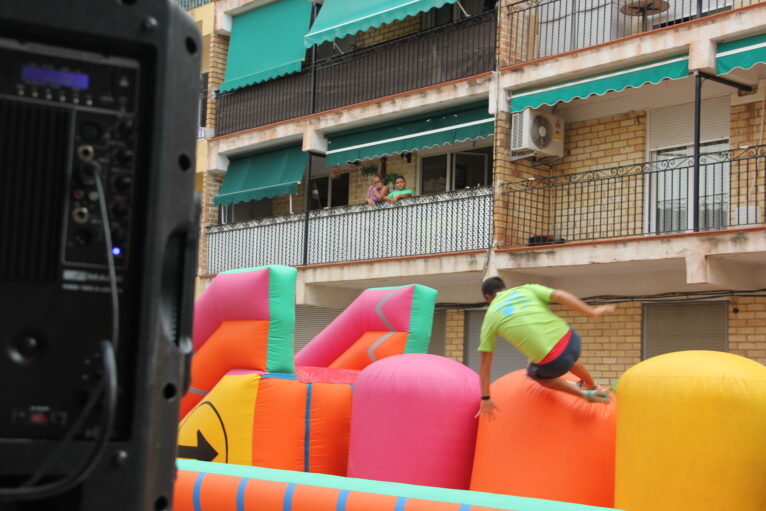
x=696 y=159
x=312 y=109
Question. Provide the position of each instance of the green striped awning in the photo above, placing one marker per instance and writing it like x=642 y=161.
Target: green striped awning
x=278 y=26
x=742 y=53
x=434 y=129
x=339 y=18
x=634 y=76
x=261 y=175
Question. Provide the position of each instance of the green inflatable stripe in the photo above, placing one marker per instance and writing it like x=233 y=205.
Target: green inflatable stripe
x=470 y=498
x=421 y=319
x=281 y=316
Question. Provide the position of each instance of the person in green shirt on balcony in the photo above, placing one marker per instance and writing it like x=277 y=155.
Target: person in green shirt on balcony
x=400 y=190
x=521 y=316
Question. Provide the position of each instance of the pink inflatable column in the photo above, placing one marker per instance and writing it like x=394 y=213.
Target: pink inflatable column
x=412 y=421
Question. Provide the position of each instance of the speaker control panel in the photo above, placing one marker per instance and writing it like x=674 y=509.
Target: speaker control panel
x=100 y=93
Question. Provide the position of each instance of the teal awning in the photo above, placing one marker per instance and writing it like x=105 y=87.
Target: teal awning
x=261 y=175
x=744 y=53
x=266 y=42
x=339 y=18
x=434 y=129
x=634 y=76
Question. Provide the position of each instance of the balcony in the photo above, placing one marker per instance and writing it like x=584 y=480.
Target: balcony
x=192 y=4
x=448 y=52
x=726 y=190
x=548 y=28
x=428 y=224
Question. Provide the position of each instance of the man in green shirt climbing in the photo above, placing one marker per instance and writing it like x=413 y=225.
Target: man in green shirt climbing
x=521 y=316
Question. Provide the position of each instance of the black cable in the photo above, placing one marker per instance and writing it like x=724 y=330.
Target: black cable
x=28 y=490
x=107 y=422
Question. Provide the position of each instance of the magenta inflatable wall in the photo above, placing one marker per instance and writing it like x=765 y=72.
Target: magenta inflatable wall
x=412 y=421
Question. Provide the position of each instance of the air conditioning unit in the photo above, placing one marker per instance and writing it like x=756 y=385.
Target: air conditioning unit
x=538 y=132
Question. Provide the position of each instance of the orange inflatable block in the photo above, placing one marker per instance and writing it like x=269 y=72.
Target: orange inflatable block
x=241 y=344
x=272 y=420
x=370 y=347
x=546 y=444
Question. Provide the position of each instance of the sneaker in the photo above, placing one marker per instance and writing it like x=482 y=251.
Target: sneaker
x=597 y=395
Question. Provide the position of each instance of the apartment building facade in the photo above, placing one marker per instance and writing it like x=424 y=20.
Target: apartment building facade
x=613 y=148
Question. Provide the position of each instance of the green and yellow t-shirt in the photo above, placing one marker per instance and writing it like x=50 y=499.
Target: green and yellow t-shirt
x=521 y=316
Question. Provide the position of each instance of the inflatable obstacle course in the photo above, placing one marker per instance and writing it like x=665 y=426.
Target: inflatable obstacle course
x=368 y=403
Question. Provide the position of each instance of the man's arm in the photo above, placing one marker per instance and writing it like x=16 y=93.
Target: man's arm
x=570 y=301
x=487 y=406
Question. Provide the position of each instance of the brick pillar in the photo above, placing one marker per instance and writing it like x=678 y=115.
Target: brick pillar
x=454 y=335
x=219 y=50
x=747 y=328
x=209 y=214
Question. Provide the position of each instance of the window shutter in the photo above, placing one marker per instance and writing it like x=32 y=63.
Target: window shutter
x=436 y=347
x=684 y=326
x=674 y=126
x=309 y=321
x=506 y=359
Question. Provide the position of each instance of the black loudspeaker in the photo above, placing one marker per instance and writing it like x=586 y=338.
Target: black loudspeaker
x=98 y=241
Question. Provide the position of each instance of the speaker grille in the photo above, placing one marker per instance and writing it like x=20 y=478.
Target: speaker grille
x=33 y=163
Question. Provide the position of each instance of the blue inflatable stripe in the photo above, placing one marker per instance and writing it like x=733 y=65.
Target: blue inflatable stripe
x=307 y=435
x=401 y=503
x=287 y=504
x=342 y=498
x=279 y=376
x=198 y=491
x=465 y=507
x=241 y=494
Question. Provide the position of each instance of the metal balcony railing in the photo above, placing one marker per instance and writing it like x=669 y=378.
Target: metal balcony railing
x=659 y=197
x=191 y=4
x=427 y=224
x=448 y=52
x=544 y=28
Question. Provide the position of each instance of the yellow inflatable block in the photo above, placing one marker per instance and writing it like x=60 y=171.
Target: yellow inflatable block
x=691 y=434
x=220 y=427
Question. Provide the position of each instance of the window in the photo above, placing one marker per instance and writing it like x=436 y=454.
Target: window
x=455 y=171
x=335 y=47
x=506 y=358
x=676 y=177
x=453 y=12
x=328 y=191
x=244 y=211
x=202 y=106
x=670 y=184
x=672 y=327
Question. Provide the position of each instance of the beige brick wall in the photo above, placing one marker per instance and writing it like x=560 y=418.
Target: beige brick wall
x=747 y=328
x=610 y=344
x=219 y=50
x=588 y=145
x=394 y=30
x=454 y=335
x=211 y=184
x=747 y=175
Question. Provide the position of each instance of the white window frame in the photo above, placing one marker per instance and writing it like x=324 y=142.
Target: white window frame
x=650 y=200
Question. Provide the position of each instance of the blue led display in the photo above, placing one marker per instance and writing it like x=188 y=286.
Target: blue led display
x=45 y=76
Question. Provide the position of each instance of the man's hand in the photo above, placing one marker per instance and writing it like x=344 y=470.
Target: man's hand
x=601 y=310
x=487 y=409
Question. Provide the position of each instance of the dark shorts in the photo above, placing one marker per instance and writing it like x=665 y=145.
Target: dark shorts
x=560 y=365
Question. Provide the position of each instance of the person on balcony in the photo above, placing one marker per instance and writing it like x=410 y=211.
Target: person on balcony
x=521 y=316
x=400 y=191
x=377 y=192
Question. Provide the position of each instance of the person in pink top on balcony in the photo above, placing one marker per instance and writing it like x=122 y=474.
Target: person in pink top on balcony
x=377 y=192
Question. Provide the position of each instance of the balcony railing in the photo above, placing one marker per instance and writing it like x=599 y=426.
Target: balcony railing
x=191 y=4
x=427 y=224
x=542 y=29
x=458 y=50
x=729 y=190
